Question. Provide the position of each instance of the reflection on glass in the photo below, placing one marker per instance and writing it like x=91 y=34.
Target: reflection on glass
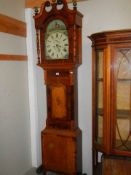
x=123 y=102
x=99 y=96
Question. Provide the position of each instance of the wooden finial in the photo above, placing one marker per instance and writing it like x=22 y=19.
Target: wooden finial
x=47 y=3
x=59 y=2
x=36 y=10
x=74 y=4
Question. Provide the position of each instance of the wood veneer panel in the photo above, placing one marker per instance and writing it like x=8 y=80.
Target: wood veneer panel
x=115 y=166
x=12 y=26
x=4 y=57
x=37 y=3
x=59 y=102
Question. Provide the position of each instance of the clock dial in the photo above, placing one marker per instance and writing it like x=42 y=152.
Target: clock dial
x=57 y=45
x=56 y=42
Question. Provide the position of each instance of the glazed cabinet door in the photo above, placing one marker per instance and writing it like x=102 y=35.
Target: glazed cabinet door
x=121 y=88
x=98 y=92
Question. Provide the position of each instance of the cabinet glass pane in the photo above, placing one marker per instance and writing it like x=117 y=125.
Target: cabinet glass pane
x=99 y=96
x=123 y=100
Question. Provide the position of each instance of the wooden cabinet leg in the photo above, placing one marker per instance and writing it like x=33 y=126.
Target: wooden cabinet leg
x=44 y=172
x=39 y=170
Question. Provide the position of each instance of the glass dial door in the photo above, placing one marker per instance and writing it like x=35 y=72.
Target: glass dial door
x=56 y=41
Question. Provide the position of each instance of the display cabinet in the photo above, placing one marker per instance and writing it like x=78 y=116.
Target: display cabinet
x=111 y=93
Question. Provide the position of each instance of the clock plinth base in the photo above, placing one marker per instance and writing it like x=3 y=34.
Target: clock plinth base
x=61 y=151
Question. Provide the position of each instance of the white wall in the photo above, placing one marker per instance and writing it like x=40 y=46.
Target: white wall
x=15 y=154
x=13 y=8
x=99 y=15
x=11 y=44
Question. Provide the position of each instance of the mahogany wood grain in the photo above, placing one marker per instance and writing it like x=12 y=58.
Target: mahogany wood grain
x=116 y=166
x=5 y=57
x=12 y=26
x=61 y=150
x=59 y=102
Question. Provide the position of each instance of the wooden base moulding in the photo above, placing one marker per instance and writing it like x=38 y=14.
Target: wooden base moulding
x=60 y=150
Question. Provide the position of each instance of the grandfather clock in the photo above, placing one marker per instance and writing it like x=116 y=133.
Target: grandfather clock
x=58 y=31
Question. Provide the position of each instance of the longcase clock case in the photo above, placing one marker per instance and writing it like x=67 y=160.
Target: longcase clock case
x=61 y=139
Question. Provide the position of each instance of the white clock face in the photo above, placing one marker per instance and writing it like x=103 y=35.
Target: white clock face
x=56 y=41
x=57 y=46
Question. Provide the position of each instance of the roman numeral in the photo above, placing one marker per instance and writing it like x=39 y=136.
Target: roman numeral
x=60 y=36
x=49 y=50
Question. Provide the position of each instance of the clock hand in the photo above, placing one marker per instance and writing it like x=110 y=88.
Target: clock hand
x=58 y=47
x=57 y=41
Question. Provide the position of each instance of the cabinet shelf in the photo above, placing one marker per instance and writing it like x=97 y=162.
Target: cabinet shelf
x=121 y=113
x=124 y=80
x=120 y=79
